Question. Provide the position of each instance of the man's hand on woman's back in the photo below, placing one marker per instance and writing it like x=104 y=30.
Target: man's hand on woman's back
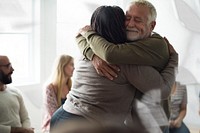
x=105 y=69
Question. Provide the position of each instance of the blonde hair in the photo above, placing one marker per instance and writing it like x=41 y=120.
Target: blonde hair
x=59 y=75
x=153 y=14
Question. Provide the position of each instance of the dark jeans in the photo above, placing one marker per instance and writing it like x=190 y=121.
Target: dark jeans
x=61 y=116
x=182 y=129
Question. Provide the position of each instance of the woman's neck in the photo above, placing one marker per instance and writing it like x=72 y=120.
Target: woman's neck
x=66 y=79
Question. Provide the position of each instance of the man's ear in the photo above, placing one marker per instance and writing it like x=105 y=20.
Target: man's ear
x=153 y=24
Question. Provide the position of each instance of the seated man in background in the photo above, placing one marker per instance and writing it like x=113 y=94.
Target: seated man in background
x=14 y=116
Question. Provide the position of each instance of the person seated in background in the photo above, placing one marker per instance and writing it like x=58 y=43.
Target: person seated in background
x=56 y=88
x=178 y=109
x=13 y=114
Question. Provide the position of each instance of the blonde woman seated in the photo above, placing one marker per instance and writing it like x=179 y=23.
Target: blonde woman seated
x=57 y=88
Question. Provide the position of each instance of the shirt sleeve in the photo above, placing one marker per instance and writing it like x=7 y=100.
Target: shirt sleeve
x=5 y=129
x=50 y=102
x=151 y=51
x=25 y=120
x=184 y=101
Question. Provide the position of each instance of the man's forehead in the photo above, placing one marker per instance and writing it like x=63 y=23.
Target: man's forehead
x=138 y=11
x=140 y=8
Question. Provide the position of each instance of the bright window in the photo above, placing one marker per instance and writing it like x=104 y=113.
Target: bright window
x=18 y=38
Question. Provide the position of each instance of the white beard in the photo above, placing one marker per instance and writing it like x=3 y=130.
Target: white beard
x=132 y=36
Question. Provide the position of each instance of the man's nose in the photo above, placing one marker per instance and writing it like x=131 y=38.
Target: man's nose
x=12 y=69
x=131 y=23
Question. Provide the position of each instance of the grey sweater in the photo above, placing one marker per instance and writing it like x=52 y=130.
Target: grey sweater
x=13 y=110
x=105 y=101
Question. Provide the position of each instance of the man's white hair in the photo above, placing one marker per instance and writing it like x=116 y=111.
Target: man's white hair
x=153 y=14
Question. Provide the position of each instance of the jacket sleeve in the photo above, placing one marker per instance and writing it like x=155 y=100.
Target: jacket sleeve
x=146 y=78
x=84 y=47
x=151 y=51
x=169 y=75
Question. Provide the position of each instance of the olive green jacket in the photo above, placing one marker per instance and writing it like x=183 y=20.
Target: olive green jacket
x=151 y=51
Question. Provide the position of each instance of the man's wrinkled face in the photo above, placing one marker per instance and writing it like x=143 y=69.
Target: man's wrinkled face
x=137 y=24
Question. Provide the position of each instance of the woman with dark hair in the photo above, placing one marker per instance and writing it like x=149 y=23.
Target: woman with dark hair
x=94 y=98
x=112 y=29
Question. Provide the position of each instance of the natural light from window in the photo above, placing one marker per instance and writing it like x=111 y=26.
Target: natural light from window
x=18 y=27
